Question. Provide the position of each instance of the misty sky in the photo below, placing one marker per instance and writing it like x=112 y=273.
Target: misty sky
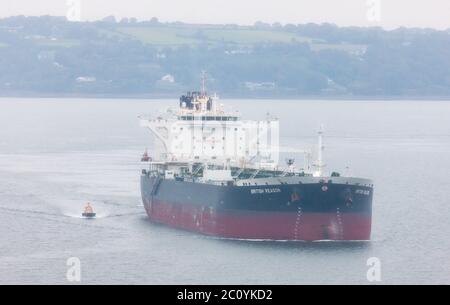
x=393 y=13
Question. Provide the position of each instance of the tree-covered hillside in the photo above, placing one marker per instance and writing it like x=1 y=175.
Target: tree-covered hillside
x=49 y=55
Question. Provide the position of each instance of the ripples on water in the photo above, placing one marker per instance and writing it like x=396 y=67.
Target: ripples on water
x=55 y=155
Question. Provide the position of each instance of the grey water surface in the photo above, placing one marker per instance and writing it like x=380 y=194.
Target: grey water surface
x=57 y=154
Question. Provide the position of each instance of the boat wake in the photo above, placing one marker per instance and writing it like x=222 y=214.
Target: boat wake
x=74 y=215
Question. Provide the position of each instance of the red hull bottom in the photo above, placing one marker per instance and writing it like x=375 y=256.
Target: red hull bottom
x=263 y=225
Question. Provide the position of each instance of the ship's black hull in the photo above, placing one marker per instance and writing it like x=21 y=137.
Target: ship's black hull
x=303 y=211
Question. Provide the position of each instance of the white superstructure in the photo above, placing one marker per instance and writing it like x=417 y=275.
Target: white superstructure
x=201 y=131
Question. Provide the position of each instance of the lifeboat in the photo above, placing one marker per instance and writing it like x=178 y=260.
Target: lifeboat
x=88 y=211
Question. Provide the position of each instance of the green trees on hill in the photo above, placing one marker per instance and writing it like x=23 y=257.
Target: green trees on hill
x=49 y=55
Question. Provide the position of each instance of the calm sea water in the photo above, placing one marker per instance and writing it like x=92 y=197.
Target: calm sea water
x=57 y=154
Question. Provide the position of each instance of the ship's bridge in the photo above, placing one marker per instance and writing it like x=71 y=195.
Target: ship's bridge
x=213 y=117
x=198 y=106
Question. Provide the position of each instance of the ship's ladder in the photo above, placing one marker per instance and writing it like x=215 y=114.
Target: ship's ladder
x=255 y=174
x=238 y=173
x=340 y=224
x=297 y=223
x=197 y=170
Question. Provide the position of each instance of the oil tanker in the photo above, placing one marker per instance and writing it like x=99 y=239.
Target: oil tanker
x=219 y=175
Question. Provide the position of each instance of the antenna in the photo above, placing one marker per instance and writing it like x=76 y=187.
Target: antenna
x=319 y=163
x=203 y=89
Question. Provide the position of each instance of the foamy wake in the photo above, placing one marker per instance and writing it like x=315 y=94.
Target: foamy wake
x=74 y=215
